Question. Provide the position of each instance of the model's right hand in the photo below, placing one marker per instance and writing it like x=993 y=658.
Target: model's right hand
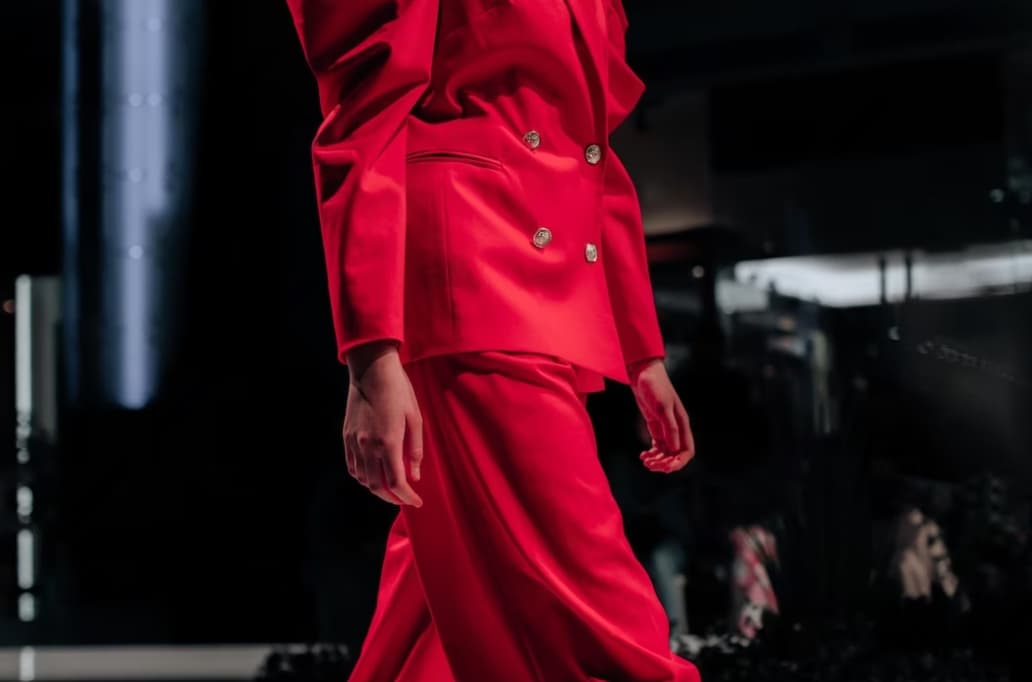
x=383 y=429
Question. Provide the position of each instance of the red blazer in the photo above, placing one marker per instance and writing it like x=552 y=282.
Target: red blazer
x=468 y=196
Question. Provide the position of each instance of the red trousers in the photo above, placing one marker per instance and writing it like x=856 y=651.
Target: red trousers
x=516 y=568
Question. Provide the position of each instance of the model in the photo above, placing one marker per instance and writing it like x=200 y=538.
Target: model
x=487 y=269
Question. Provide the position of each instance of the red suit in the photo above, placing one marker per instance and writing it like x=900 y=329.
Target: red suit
x=473 y=210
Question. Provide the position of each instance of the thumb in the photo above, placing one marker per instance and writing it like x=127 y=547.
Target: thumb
x=414 y=442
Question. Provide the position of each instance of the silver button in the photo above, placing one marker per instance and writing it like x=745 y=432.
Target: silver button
x=593 y=154
x=542 y=237
x=590 y=253
x=532 y=139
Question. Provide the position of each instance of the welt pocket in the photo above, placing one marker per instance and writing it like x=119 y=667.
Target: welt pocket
x=429 y=156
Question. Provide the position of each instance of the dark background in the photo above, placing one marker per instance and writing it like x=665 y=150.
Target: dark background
x=222 y=512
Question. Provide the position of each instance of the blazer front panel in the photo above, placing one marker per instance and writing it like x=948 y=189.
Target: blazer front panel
x=503 y=138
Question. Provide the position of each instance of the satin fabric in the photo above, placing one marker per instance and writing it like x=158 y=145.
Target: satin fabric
x=429 y=193
x=516 y=568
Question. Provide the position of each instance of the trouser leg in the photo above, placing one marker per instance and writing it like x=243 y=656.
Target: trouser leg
x=519 y=545
x=402 y=644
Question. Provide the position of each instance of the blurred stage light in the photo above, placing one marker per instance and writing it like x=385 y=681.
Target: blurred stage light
x=126 y=299
x=36 y=323
x=136 y=146
x=842 y=281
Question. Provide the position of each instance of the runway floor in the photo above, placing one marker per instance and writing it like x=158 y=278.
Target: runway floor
x=207 y=663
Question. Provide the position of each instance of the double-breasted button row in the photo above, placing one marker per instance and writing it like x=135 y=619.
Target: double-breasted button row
x=592 y=153
x=543 y=237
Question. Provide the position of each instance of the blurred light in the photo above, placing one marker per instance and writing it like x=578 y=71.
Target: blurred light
x=894 y=333
x=735 y=296
x=855 y=280
x=27 y=654
x=24 y=501
x=148 y=52
x=9 y=306
x=27 y=613
x=36 y=337
x=23 y=352
x=26 y=559
x=698 y=272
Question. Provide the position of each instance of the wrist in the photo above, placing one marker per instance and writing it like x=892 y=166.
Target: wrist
x=635 y=368
x=362 y=356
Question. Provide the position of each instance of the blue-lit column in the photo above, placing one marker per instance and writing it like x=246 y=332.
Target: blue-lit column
x=149 y=98
x=134 y=91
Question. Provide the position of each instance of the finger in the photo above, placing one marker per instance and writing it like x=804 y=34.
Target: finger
x=396 y=481
x=651 y=452
x=657 y=467
x=671 y=430
x=360 y=470
x=653 y=456
x=658 y=461
x=681 y=459
x=382 y=492
x=679 y=462
x=374 y=478
x=656 y=431
x=414 y=444
x=349 y=455
x=654 y=461
x=660 y=467
x=687 y=437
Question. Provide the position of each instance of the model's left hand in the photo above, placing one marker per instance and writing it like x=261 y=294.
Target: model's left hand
x=673 y=445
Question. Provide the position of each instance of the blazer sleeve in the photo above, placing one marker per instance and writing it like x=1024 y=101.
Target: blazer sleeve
x=623 y=236
x=371 y=60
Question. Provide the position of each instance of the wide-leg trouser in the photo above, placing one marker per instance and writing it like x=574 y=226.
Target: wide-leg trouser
x=516 y=568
